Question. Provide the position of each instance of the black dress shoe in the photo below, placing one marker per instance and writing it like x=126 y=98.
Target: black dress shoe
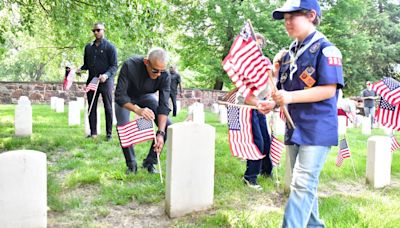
x=109 y=138
x=132 y=169
x=151 y=168
x=267 y=175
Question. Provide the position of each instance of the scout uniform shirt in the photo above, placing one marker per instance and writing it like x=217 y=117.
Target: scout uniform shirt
x=312 y=63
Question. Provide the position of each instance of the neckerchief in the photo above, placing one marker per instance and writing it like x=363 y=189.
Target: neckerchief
x=295 y=55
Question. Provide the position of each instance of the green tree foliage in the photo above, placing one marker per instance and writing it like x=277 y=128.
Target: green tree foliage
x=37 y=37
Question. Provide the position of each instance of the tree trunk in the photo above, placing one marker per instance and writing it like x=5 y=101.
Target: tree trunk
x=218 y=84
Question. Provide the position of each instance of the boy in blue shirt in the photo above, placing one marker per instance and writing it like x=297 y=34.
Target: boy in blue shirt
x=309 y=79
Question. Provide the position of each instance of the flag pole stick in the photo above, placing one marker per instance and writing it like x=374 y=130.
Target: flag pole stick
x=352 y=162
x=94 y=95
x=237 y=105
x=158 y=157
x=277 y=182
x=271 y=83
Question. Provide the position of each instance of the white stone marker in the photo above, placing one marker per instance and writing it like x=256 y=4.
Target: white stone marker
x=366 y=126
x=53 y=103
x=81 y=102
x=288 y=173
x=114 y=116
x=215 y=108
x=198 y=116
x=23 y=189
x=60 y=105
x=190 y=168
x=178 y=107
x=379 y=160
x=342 y=122
x=87 y=126
x=23 y=117
x=278 y=126
x=74 y=113
x=223 y=114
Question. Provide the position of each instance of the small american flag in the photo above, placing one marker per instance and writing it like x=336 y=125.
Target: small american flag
x=240 y=134
x=276 y=150
x=395 y=144
x=136 y=131
x=389 y=89
x=388 y=115
x=92 y=85
x=245 y=64
x=344 y=152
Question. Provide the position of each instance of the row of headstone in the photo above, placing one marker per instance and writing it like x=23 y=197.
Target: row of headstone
x=378 y=163
x=57 y=103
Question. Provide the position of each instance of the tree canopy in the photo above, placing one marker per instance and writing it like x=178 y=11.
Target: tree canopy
x=38 y=37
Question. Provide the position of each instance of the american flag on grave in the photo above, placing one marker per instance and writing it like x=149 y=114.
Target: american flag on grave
x=388 y=115
x=344 y=152
x=276 y=150
x=240 y=134
x=395 y=144
x=389 y=89
x=136 y=131
x=93 y=84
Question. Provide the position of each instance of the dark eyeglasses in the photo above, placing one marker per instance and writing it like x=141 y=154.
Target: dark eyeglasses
x=96 y=30
x=155 y=71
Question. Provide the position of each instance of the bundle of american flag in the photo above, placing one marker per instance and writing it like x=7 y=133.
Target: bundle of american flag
x=388 y=112
x=245 y=64
x=136 y=131
x=344 y=152
x=394 y=144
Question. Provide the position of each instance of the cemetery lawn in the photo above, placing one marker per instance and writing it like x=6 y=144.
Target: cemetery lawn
x=87 y=185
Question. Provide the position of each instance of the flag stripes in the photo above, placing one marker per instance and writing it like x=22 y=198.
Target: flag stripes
x=93 y=84
x=389 y=89
x=240 y=134
x=136 y=131
x=395 y=144
x=344 y=152
x=276 y=150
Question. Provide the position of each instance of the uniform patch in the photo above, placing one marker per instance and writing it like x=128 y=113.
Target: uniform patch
x=314 y=48
x=306 y=77
x=333 y=55
x=283 y=78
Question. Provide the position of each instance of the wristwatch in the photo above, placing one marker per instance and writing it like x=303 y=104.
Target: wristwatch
x=162 y=133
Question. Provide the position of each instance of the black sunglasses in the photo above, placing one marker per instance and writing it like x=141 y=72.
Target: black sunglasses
x=96 y=30
x=155 y=71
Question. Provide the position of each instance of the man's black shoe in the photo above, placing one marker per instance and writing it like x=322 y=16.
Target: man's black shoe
x=151 y=168
x=267 y=175
x=132 y=169
x=109 y=138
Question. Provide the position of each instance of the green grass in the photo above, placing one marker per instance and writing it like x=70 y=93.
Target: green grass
x=86 y=180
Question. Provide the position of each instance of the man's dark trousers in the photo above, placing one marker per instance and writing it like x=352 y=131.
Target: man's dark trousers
x=106 y=93
x=123 y=117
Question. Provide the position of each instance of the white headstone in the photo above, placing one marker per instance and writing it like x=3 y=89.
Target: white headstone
x=74 y=113
x=288 y=173
x=379 y=160
x=342 y=125
x=223 y=114
x=81 y=102
x=366 y=126
x=198 y=116
x=23 y=189
x=215 y=108
x=114 y=116
x=23 y=117
x=199 y=106
x=388 y=131
x=53 y=103
x=60 y=105
x=278 y=126
x=87 y=126
x=178 y=107
x=190 y=168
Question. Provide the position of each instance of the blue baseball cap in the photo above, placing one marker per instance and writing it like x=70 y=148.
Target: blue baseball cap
x=296 y=5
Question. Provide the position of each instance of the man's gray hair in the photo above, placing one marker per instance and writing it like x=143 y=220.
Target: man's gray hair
x=158 y=54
